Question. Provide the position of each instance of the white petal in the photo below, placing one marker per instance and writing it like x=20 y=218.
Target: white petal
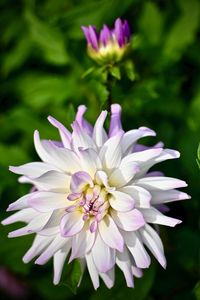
x=82 y=242
x=110 y=233
x=152 y=240
x=53 y=181
x=35 y=225
x=33 y=170
x=90 y=161
x=135 y=246
x=71 y=223
x=110 y=153
x=103 y=256
x=64 y=133
x=58 y=263
x=152 y=215
x=140 y=196
x=130 y=137
x=164 y=155
x=53 y=225
x=20 y=203
x=57 y=244
x=160 y=183
x=123 y=174
x=142 y=156
x=121 y=201
x=39 y=244
x=24 y=215
x=99 y=134
x=80 y=138
x=123 y=262
x=129 y=221
x=94 y=274
x=159 y=197
x=62 y=158
x=48 y=201
x=108 y=278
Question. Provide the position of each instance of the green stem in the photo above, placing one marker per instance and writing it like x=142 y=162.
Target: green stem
x=109 y=84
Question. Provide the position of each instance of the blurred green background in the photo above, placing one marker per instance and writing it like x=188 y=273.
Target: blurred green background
x=43 y=59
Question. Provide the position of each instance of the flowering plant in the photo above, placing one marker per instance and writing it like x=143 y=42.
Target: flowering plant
x=94 y=198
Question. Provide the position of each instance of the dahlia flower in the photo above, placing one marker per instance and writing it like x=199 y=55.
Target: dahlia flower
x=110 y=45
x=94 y=199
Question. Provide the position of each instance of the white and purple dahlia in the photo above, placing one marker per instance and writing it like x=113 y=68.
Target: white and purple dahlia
x=94 y=199
x=110 y=45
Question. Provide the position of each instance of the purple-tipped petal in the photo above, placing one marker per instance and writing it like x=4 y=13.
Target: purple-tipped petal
x=115 y=122
x=93 y=37
x=119 y=33
x=105 y=35
x=126 y=30
x=79 y=180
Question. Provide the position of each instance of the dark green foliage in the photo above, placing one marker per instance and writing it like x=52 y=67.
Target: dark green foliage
x=45 y=71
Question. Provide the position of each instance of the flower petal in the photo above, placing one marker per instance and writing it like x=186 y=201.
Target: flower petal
x=123 y=174
x=103 y=256
x=59 y=259
x=71 y=223
x=108 y=278
x=82 y=242
x=135 y=246
x=110 y=153
x=55 y=245
x=48 y=201
x=110 y=233
x=64 y=133
x=79 y=181
x=159 y=197
x=152 y=240
x=99 y=133
x=115 y=122
x=123 y=262
x=140 y=196
x=152 y=215
x=121 y=201
x=129 y=221
x=130 y=137
x=94 y=274
x=160 y=183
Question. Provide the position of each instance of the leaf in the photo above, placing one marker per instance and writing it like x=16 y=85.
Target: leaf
x=48 y=39
x=115 y=72
x=197 y=290
x=183 y=33
x=17 y=56
x=88 y=72
x=12 y=155
x=40 y=89
x=74 y=275
x=130 y=70
x=151 y=23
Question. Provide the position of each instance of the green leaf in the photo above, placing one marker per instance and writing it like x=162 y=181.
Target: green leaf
x=130 y=70
x=197 y=290
x=74 y=275
x=17 y=56
x=151 y=23
x=39 y=89
x=12 y=155
x=48 y=40
x=115 y=72
x=184 y=30
x=88 y=72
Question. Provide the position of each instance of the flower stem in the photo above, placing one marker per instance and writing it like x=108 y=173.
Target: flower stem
x=109 y=83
